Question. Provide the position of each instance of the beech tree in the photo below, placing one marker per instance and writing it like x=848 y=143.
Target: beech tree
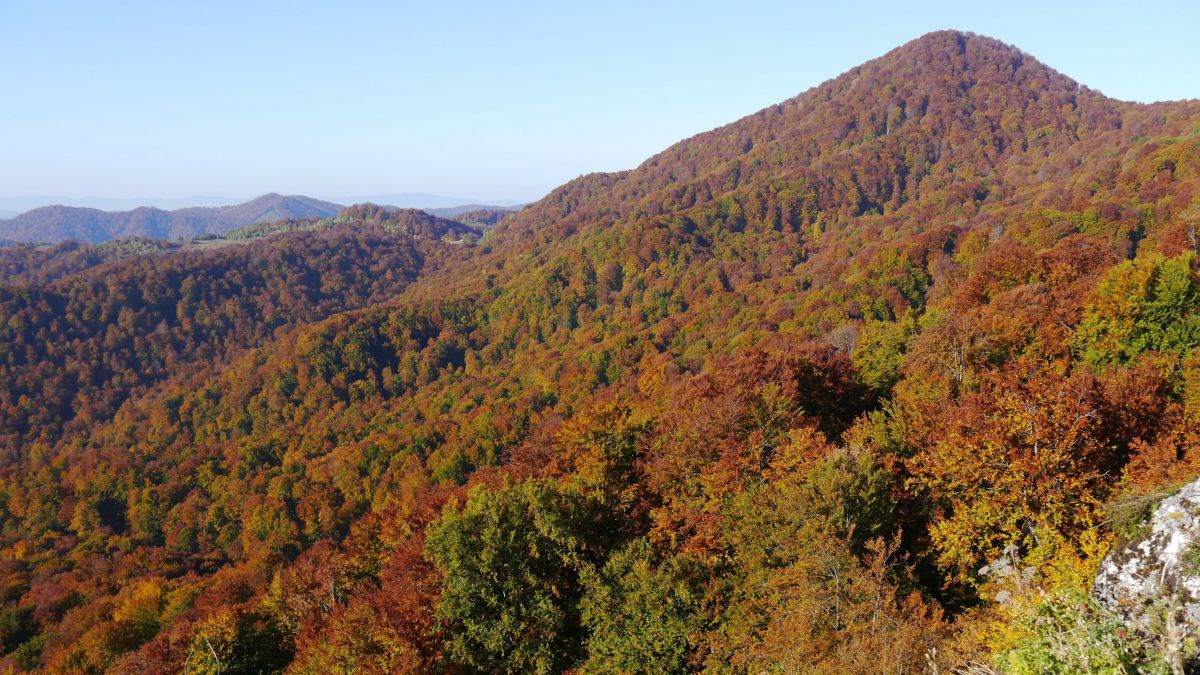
x=641 y=613
x=1021 y=462
x=1152 y=303
x=510 y=561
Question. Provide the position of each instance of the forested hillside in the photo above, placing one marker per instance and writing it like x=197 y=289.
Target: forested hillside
x=88 y=326
x=795 y=395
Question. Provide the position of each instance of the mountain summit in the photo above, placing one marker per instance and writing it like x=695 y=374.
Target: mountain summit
x=947 y=109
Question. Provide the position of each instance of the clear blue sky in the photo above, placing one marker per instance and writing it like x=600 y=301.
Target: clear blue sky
x=489 y=100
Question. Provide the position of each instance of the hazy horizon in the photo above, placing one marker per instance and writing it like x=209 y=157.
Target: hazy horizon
x=14 y=205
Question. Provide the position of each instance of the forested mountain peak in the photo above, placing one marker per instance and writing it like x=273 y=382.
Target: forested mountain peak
x=956 y=107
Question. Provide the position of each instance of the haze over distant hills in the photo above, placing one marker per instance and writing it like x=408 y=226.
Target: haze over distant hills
x=426 y=202
x=59 y=223
x=15 y=205
x=454 y=211
x=50 y=224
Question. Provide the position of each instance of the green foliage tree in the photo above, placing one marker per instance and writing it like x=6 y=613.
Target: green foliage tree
x=16 y=626
x=879 y=353
x=510 y=562
x=640 y=613
x=232 y=641
x=850 y=489
x=1151 y=303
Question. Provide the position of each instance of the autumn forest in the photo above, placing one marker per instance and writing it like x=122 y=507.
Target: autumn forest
x=871 y=380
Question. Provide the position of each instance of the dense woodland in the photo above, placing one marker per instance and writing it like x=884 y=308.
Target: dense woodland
x=868 y=381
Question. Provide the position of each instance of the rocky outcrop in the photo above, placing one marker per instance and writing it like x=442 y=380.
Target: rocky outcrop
x=1153 y=581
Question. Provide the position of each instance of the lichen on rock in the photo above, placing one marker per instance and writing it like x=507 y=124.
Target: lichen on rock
x=1153 y=581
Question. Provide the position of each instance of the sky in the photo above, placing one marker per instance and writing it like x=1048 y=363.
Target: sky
x=491 y=101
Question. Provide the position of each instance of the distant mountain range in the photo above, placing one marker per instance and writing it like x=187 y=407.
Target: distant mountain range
x=51 y=224
x=428 y=203
x=60 y=223
x=17 y=204
x=13 y=205
x=455 y=211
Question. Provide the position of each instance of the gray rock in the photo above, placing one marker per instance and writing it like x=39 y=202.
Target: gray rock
x=1157 y=576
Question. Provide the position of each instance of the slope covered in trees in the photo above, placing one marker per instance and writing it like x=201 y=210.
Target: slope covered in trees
x=86 y=326
x=782 y=398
